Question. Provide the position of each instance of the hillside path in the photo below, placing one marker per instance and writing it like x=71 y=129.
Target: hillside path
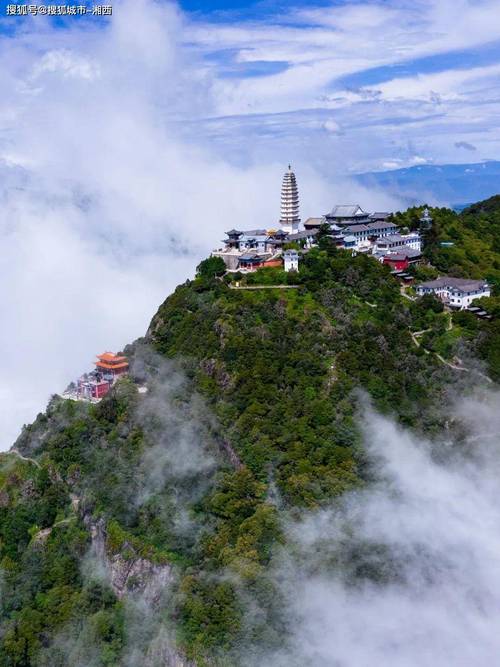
x=402 y=291
x=23 y=458
x=253 y=287
x=414 y=336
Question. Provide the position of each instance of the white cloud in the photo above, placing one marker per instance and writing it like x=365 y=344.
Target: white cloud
x=342 y=40
x=406 y=572
x=67 y=63
x=121 y=166
x=103 y=211
x=106 y=201
x=449 y=85
x=323 y=45
x=331 y=126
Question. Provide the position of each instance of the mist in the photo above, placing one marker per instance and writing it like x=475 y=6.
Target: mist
x=109 y=197
x=407 y=571
x=175 y=469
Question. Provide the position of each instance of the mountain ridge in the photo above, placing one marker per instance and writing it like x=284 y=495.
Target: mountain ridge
x=454 y=185
x=142 y=529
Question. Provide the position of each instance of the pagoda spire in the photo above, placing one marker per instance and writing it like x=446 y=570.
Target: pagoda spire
x=290 y=218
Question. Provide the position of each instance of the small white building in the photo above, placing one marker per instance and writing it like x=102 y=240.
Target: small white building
x=457 y=293
x=426 y=219
x=291 y=260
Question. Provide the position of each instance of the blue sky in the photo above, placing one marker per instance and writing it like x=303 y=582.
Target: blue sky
x=387 y=83
x=128 y=146
x=227 y=11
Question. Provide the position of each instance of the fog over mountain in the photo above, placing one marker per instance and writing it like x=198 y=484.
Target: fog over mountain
x=105 y=205
x=406 y=572
x=289 y=469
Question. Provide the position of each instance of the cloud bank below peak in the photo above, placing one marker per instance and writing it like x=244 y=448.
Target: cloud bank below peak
x=405 y=572
x=107 y=199
x=126 y=151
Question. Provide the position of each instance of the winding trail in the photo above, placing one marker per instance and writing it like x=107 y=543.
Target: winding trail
x=23 y=458
x=414 y=336
x=44 y=533
x=454 y=366
x=253 y=287
x=402 y=291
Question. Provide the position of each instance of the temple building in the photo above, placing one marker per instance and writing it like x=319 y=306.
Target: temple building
x=111 y=365
x=457 y=293
x=395 y=242
x=255 y=248
x=350 y=221
x=93 y=386
x=366 y=235
x=347 y=214
x=290 y=218
x=247 y=250
x=425 y=225
x=291 y=260
x=426 y=219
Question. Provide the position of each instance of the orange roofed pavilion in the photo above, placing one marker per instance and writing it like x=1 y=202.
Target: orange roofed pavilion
x=109 y=363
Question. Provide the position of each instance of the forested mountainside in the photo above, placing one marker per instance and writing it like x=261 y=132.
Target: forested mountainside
x=474 y=233
x=143 y=530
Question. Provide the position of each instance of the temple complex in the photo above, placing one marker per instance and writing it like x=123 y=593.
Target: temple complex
x=348 y=225
x=256 y=248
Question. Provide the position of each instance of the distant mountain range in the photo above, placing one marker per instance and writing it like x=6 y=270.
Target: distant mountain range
x=453 y=185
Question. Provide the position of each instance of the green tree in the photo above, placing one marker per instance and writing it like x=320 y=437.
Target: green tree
x=211 y=267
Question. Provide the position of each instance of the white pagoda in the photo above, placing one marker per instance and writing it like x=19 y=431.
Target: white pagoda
x=426 y=219
x=290 y=219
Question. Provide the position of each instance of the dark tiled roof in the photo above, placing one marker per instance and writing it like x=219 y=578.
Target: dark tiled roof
x=463 y=284
x=255 y=232
x=382 y=225
x=412 y=252
x=391 y=238
x=347 y=211
x=396 y=257
x=352 y=229
x=297 y=236
x=313 y=222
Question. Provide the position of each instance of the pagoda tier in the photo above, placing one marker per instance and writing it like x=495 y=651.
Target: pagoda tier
x=290 y=218
x=111 y=363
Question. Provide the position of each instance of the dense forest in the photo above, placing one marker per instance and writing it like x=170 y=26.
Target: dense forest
x=141 y=530
x=465 y=245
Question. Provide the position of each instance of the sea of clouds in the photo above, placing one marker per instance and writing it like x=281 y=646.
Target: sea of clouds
x=127 y=148
x=104 y=208
x=407 y=572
